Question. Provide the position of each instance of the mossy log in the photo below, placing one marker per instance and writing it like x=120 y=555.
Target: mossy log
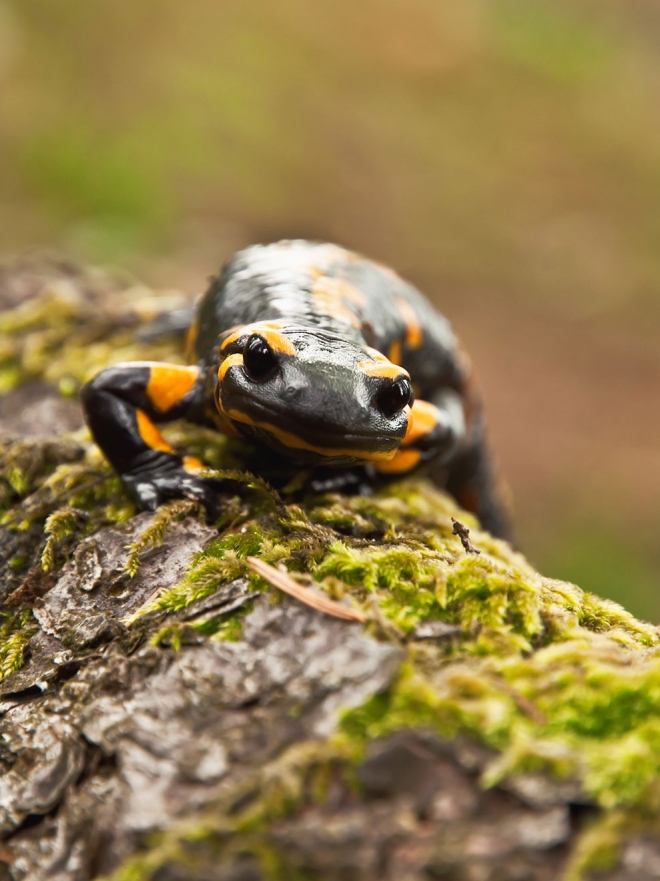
x=167 y=714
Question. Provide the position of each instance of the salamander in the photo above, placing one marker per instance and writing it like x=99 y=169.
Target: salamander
x=323 y=358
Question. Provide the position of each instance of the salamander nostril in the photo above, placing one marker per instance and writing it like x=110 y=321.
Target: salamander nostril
x=394 y=397
x=293 y=392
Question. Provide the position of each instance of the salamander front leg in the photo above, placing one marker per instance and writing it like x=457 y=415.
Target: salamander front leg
x=121 y=405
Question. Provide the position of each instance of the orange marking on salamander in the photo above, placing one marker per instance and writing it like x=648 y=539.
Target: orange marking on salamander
x=375 y=354
x=269 y=331
x=193 y=465
x=168 y=383
x=150 y=434
x=337 y=310
x=191 y=340
x=423 y=420
x=414 y=332
x=403 y=461
x=336 y=295
x=380 y=369
x=395 y=352
x=222 y=424
x=279 y=342
x=230 y=361
x=339 y=289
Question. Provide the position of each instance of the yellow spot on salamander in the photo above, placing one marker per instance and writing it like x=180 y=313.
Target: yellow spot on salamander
x=230 y=361
x=336 y=296
x=150 y=434
x=402 y=462
x=395 y=352
x=168 y=383
x=221 y=422
x=375 y=354
x=414 y=332
x=338 y=289
x=385 y=370
x=269 y=331
x=423 y=420
x=191 y=339
x=193 y=465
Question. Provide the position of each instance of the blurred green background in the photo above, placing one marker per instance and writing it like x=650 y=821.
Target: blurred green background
x=502 y=154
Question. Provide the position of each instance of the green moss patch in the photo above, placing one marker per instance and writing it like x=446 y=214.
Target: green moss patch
x=78 y=322
x=16 y=631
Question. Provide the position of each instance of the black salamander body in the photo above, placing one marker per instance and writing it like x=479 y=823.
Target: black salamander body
x=318 y=355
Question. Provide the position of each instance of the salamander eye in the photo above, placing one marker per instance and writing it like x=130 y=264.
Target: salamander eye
x=395 y=397
x=258 y=359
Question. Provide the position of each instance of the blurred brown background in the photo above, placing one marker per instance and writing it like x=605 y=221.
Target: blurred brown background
x=502 y=154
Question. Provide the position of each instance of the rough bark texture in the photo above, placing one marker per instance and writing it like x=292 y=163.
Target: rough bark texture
x=164 y=715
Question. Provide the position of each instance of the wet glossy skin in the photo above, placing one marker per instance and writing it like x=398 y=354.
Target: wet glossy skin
x=313 y=352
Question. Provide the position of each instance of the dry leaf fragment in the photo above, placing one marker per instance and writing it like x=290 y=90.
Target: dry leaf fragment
x=285 y=583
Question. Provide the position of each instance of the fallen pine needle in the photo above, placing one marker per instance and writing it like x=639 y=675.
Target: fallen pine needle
x=284 y=582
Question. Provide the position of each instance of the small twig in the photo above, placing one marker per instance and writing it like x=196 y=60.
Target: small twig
x=303 y=594
x=461 y=530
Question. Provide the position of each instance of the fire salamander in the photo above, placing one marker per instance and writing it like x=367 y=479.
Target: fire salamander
x=318 y=355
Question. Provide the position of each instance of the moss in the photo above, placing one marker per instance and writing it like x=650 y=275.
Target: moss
x=171 y=635
x=218 y=564
x=154 y=535
x=59 y=525
x=58 y=504
x=24 y=464
x=410 y=582
x=86 y=483
x=579 y=708
x=599 y=846
x=16 y=631
x=228 y=628
x=72 y=328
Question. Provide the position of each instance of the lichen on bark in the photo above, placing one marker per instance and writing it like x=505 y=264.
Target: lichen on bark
x=166 y=715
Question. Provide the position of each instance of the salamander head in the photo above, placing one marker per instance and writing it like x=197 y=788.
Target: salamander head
x=311 y=395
